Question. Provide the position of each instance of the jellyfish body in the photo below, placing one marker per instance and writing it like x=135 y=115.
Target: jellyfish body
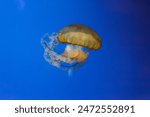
x=79 y=40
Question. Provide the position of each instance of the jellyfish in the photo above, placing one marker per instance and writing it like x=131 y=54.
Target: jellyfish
x=79 y=40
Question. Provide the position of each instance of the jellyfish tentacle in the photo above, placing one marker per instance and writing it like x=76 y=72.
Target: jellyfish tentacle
x=50 y=43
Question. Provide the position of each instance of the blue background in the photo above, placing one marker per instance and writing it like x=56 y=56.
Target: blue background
x=120 y=70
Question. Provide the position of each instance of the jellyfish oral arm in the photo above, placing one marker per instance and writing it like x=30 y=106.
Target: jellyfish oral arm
x=73 y=56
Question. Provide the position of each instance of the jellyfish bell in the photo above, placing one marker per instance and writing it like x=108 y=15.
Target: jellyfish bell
x=81 y=35
x=79 y=40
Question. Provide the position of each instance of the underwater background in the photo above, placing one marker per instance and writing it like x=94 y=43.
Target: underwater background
x=119 y=70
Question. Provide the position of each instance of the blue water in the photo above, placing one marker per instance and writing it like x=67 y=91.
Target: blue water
x=119 y=70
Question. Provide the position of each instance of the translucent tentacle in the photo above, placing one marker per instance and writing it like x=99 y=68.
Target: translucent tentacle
x=50 y=42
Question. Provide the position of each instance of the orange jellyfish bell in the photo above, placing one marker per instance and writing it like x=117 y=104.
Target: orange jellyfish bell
x=81 y=35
